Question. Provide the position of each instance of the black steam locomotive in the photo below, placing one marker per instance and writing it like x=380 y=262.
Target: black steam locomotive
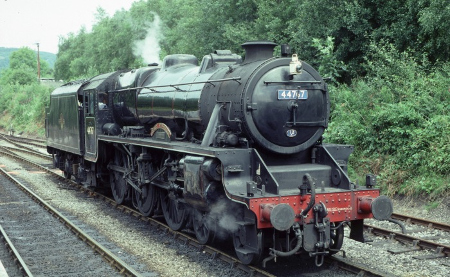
x=229 y=148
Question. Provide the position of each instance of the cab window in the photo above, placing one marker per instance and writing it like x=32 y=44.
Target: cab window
x=91 y=99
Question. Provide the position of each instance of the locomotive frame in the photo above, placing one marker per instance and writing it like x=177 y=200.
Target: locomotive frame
x=197 y=145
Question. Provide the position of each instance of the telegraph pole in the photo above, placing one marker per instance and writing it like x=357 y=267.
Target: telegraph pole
x=38 y=63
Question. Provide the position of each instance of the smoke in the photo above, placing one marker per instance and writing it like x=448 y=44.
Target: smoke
x=228 y=222
x=224 y=213
x=148 y=48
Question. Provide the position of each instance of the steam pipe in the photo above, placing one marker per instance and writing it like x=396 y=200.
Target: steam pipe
x=289 y=253
x=298 y=235
x=312 y=200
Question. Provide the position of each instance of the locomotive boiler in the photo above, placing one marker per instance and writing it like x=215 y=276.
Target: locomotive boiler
x=229 y=148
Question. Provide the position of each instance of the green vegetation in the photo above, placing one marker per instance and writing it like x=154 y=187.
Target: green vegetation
x=432 y=205
x=22 y=68
x=398 y=118
x=199 y=27
x=22 y=98
x=388 y=62
x=49 y=58
x=23 y=107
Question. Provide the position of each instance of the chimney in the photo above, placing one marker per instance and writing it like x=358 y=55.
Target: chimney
x=258 y=50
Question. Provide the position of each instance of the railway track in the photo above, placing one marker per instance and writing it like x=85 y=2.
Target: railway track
x=30 y=152
x=423 y=222
x=18 y=142
x=413 y=242
x=46 y=249
x=29 y=141
x=22 y=267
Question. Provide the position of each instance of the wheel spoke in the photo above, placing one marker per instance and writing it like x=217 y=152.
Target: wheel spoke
x=176 y=214
x=204 y=227
x=146 y=201
x=119 y=187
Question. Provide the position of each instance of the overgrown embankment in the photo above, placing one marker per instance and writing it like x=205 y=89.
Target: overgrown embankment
x=398 y=118
x=22 y=97
x=23 y=107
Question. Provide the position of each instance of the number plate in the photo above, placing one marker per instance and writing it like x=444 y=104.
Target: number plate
x=291 y=94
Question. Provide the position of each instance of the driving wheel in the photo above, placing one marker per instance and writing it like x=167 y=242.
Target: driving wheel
x=175 y=212
x=146 y=201
x=204 y=227
x=119 y=187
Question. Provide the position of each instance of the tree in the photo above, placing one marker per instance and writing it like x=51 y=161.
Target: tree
x=105 y=52
x=66 y=54
x=108 y=47
x=22 y=68
x=23 y=57
x=46 y=70
x=434 y=20
x=199 y=27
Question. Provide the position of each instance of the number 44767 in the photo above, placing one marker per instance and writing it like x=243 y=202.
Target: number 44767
x=292 y=94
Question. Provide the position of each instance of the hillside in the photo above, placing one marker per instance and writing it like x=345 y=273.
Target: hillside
x=50 y=58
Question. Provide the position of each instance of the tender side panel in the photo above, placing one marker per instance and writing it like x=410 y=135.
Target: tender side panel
x=63 y=123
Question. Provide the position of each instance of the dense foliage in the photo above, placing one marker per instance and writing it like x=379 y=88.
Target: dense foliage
x=388 y=62
x=398 y=119
x=201 y=26
x=23 y=107
x=22 y=98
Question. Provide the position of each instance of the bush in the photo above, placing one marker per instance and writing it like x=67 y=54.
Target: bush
x=23 y=107
x=398 y=119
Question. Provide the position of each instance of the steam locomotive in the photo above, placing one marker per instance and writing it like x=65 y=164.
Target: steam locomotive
x=229 y=148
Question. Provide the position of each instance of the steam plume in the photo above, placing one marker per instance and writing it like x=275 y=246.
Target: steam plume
x=148 y=48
